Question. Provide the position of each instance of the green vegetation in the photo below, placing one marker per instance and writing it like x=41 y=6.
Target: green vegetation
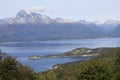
x=11 y=69
x=103 y=67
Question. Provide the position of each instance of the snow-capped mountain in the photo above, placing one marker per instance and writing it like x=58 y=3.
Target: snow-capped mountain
x=32 y=18
x=24 y=18
x=33 y=26
x=59 y=20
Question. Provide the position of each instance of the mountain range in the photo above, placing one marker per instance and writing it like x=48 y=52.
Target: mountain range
x=33 y=27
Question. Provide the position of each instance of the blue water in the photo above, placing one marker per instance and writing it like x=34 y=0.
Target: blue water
x=22 y=50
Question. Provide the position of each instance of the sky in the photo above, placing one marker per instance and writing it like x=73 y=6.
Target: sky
x=90 y=10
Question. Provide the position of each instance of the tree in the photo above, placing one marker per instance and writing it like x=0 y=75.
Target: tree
x=48 y=75
x=11 y=69
x=117 y=65
x=94 y=70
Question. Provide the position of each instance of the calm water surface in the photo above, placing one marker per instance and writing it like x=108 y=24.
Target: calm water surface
x=22 y=50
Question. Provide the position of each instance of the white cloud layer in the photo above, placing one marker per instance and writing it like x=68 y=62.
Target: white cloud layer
x=37 y=9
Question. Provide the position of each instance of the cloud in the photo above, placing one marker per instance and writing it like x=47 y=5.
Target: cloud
x=36 y=9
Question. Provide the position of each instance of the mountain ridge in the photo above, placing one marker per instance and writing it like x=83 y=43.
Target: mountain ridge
x=33 y=26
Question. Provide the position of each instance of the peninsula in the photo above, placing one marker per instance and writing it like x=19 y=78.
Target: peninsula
x=79 y=52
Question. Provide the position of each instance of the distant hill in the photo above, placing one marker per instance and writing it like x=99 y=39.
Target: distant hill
x=109 y=25
x=33 y=26
x=115 y=32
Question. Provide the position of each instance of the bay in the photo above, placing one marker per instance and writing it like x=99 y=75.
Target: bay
x=22 y=50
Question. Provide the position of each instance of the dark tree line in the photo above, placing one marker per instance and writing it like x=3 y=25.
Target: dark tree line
x=11 y=69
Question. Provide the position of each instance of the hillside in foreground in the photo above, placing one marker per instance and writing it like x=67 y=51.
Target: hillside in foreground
x=105 y=66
